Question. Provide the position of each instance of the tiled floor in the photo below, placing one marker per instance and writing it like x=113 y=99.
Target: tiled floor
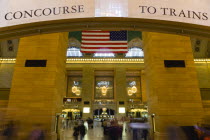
x=92 y=134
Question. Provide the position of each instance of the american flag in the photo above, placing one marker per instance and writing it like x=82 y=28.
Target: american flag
x=104 y=41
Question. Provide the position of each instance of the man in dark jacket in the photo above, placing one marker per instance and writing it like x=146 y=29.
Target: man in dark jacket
x=82 y=130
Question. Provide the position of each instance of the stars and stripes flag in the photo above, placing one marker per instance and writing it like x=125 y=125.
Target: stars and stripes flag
x=104 y=41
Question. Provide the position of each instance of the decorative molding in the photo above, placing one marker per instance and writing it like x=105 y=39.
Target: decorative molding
x=102 y=60
x=7 y=60
x=204 y=60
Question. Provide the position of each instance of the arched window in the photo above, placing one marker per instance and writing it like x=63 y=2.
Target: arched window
x=73 y=52
x=135 y=52
x=104 y=55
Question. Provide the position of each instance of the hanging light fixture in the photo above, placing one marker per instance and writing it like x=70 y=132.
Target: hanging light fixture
x=104 y=90
x=76 y=90
x=134 y=89
x=130 y=93
x=131 y=90
x=104 y=109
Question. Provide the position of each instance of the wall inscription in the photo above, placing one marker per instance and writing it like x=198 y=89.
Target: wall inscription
x=15 y=12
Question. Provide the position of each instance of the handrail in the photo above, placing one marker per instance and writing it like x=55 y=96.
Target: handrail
x=153 y=123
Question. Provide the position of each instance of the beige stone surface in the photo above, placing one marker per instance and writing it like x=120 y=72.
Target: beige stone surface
x=88 y=90
x=143 y=87
x=6 y=73
x=37 y=92
x=173 y=93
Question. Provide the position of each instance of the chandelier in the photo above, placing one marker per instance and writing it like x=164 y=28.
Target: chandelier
x=76 y=90
x=132 y=90
x=104 y=90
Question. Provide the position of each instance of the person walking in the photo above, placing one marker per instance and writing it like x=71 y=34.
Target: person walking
x=90 y=122
x=76 y=131
x=82 y=130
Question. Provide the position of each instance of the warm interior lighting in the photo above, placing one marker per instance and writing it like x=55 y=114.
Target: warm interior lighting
x=104 y=90
x=121 y=109
x=75 y=90
x=132 y=90
x=70 y=110
x=138 y=110
x=104 y=109
x=86 y=109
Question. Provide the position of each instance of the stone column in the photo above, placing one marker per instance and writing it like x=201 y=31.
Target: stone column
x=143 y=87
x=120 y=86
x=173 y=93
x=88 y=90
x=37 y=92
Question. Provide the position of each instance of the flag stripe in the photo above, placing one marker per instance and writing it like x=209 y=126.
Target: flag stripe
x=104 y=44
x=95 y=40
x=88 y=37
x=99 y=33
x=104 y=52
x=95 y=36
x=105 y=48
x=95 y=31
x=101 y=41
x=110 y=50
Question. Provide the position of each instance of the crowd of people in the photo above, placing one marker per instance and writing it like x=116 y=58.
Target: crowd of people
x=112 y=128
x=79 y=129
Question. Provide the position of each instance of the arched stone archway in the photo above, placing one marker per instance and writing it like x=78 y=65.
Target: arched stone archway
x=105 y=23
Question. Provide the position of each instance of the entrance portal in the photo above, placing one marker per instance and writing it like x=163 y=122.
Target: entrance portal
x=103 y=113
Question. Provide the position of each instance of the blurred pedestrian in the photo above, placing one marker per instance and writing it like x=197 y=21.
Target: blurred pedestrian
x=115 y=131
x=82 y=130
x=10 y=132
x=144 y=134
x=90 y=122
x=37 y=133
x=76 y=131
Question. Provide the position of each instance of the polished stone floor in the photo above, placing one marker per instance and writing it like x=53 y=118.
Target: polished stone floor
x=93 y=134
